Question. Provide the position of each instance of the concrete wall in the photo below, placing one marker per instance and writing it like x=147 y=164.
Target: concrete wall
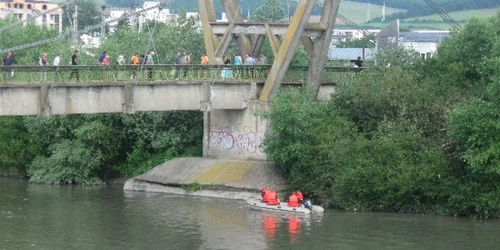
x=238 y=134
x=248 y=175
x=88 y=98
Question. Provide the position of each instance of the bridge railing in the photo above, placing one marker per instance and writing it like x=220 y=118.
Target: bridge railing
x=163 y=72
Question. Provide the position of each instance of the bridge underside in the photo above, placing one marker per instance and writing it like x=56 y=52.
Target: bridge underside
x=88 y=98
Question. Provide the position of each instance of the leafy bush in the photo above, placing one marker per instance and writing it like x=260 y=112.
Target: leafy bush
x=17 y=149
x=323 y=154
x=70 y=162
x=118 y=145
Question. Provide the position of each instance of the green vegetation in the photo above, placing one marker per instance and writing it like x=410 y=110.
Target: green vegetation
x=420 y=136
x=459 y=16
x=271 y=11
x=89 y=149
x=193 y=187
x=88 y=14
x=356 y=11
x=416 y=8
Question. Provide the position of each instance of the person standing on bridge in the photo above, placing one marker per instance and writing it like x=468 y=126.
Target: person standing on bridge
x=359 y=63
x=120 y=60
x=263 y=61
x=238 y=60
x=101 y=58
x=186 y=59
x=8 y=61
x=74 y=62
x=135 y=62
x=42 y=61
x=204 y=58
x=249 y=60
x=150 y=61
x=178 y=62
x=57 y=62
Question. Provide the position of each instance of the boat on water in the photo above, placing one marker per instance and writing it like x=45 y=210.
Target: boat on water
x=283 y=207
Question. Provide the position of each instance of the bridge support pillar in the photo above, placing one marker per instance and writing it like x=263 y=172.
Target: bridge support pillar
x=44 y=106
x=128 y=105
x=236 y=134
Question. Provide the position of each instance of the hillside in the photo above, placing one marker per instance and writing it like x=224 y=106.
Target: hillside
x=459 y=16
x=421 y=8
x=356 y=11
x=412 y=13
x=447 y=5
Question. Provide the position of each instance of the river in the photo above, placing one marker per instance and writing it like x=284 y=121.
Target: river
x=106 y=217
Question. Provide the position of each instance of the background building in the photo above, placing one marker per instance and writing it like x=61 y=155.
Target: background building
x=24 y=9
x=424 y=42
x=156 y=14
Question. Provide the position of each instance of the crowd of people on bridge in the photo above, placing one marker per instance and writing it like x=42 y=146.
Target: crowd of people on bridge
x=142 y=59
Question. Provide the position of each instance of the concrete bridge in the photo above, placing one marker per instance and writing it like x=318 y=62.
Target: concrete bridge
x=232 y=130
x=98 y=89
x=231 y=97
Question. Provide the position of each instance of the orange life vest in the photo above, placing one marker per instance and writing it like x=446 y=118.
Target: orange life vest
x=293 y=201
x=300 y=196
x=272 y=199
x=265 y=194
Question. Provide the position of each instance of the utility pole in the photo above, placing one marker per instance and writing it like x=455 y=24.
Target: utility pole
x=288 y=7
x=133 y=17
x=75 y=26
x=383 y=13
x=103 y=17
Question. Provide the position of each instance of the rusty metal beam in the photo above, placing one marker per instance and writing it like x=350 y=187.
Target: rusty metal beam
x=322 y=44
x=234 y=15
x=224 y=43
x=257 y=46
x=273 y=40
x=207 y=15
x=308 y=44
x=311 y=30
x=287 y=49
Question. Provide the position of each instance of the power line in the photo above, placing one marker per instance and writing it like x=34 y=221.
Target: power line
x=36 y=16
x=69 y=34
x=447 y=18
x=356 y=26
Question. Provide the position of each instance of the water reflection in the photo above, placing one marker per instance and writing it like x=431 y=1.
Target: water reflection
x=269 y=225
x=294 y=228
x=53 y=217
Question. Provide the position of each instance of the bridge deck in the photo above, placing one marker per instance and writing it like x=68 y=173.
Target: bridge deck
x=146 y=73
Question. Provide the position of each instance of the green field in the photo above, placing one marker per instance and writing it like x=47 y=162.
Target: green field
x=435 y=21
x=410 y=25
x=457 y=16
x=356 y=11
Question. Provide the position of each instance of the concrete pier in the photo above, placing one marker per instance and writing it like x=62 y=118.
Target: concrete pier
x=233 y=179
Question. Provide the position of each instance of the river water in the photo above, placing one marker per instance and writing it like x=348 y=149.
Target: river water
x=106 y=217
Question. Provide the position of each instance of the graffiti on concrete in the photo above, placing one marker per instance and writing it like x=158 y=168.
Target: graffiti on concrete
x=237 y=142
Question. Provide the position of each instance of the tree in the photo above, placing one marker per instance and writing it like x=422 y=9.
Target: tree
x=29 y=33
x=88 y=14
x=271 y=11
x=182 y=35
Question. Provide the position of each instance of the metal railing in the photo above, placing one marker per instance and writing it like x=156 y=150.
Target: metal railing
x=163 y=72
